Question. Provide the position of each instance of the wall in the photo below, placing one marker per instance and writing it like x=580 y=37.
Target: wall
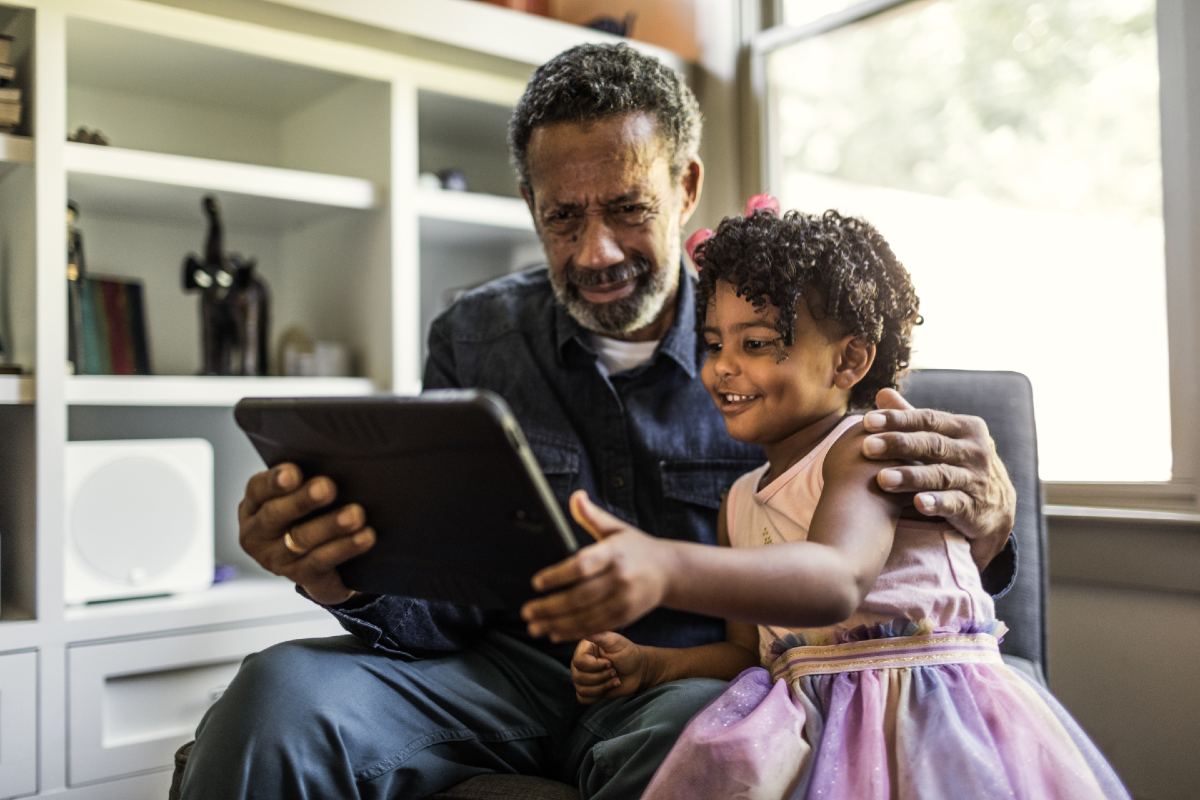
x=1124 y=636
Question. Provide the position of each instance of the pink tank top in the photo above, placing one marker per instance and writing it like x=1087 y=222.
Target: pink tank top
x=929 y=578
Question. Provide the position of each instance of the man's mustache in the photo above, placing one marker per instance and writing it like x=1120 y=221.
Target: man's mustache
x=617 y=273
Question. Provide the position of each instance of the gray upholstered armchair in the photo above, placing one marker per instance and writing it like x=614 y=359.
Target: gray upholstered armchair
x=1004 y=400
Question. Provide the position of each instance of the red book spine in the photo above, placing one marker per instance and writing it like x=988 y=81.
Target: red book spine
x=118 y=329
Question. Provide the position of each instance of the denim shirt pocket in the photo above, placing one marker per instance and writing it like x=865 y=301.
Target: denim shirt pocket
x=559 y=460
x=701 y=482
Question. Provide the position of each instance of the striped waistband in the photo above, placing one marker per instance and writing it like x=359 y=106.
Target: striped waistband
x=900 y=651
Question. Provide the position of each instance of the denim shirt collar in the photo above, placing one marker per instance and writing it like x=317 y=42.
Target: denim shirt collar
x=679 y=344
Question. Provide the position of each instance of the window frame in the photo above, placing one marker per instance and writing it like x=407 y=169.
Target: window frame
x=1177 y=24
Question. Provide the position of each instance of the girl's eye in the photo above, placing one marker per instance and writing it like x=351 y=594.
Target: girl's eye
x=756 y=344
x=712 y=347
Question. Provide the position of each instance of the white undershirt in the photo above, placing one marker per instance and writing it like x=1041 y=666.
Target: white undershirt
x=616 y=355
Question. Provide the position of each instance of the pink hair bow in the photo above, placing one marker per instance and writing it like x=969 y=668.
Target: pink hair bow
x=695 y=240
x=761 y=202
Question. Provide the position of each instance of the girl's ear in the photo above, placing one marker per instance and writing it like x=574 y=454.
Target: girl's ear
x=854 y=361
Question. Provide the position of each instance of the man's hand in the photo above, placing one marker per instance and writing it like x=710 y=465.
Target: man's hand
x=604 y=586
x=307 y=553
x=608 y=665
x=959 y=476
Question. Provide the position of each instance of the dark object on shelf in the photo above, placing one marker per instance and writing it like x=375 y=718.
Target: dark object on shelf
x=617 y=27
x=234 y=304
x=452 y=180
x=87 y=136
x=76 y=270
x=111 y=339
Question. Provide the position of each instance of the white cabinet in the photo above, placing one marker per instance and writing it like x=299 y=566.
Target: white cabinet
x=133 y=703
x=18 y=724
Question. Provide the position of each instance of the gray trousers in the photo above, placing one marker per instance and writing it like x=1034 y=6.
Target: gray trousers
x=331 y=718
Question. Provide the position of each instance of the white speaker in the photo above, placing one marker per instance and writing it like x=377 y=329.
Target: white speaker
x=139 y=518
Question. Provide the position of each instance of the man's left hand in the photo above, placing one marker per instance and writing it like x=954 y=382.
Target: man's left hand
x=958 y=477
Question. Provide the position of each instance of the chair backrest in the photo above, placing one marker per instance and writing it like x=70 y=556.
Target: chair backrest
x=1005 y=402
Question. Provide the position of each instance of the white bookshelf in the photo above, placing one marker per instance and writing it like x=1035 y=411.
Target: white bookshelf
x=467 y=217
x=164 y=186
x=311 y=121
x=473 y=26
x=16 y=390
x=14 y=150
x=207 y=390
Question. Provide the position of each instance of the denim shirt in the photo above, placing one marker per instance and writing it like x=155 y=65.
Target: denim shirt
x=647 y=444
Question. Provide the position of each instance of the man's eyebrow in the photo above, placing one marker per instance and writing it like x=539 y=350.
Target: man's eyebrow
x=635 y=194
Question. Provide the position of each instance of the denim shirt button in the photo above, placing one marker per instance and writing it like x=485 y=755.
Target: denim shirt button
x=617 y=482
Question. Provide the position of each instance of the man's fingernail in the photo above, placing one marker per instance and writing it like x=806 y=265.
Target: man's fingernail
x=874 y=446
x=319 y=491
x=889 y=478
x=926 y=503
x=874 y=420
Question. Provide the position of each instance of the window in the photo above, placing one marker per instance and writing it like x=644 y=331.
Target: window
x=1010 y=151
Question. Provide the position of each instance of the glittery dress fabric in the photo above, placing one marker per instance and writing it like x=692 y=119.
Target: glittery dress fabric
x=907 y=699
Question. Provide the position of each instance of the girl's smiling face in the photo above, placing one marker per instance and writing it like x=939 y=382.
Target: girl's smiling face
x=771 y=394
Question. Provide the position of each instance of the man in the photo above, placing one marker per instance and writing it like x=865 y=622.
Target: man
x=597 y=356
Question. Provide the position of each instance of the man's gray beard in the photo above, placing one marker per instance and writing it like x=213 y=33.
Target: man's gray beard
x=619 y=317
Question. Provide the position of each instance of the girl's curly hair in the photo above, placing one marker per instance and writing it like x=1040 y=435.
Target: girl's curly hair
x=841 y=266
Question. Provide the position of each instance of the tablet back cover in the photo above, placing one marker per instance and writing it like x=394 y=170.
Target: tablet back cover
x=460 y=509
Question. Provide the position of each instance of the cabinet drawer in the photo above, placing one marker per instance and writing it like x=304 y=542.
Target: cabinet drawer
x=18 y=724
x=132 y=703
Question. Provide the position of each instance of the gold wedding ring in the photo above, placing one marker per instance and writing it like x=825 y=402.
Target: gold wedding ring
x=291 y=545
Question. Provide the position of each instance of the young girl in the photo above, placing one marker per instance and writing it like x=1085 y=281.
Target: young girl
x=881 y=676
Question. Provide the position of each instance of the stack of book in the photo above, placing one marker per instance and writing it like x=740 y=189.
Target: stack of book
x=112 y=338
x=10 y=93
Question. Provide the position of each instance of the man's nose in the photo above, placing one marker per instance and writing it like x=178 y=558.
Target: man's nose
x=598 y=246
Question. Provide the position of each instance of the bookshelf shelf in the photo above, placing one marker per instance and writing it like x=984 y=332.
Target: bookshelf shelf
x=224 y=602
x=16 y=390
x=15 y=149
x=170 y=390
x=464 y=217
x=475 y=27
x=162 y=186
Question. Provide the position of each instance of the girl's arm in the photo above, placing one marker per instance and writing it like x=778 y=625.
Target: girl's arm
x=609 y=665
x=817 y=582
x=798 y=584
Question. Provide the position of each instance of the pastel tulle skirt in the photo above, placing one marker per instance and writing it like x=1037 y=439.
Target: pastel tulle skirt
x=920 y=717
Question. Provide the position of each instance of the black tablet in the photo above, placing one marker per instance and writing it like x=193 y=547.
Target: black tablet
x=460 y=508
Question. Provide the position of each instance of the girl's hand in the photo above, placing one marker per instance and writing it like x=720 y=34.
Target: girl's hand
x=608 y=665
x=604 y=586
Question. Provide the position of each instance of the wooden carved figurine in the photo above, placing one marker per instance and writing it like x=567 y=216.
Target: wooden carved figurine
x=234 y=304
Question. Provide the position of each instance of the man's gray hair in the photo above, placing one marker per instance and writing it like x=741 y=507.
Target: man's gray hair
x=594 y=81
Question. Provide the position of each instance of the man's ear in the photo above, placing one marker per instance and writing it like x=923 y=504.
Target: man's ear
x=854 y=361
x=527 y=196
x=691 y=183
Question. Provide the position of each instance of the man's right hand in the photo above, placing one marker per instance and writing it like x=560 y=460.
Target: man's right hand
x=307 y=553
